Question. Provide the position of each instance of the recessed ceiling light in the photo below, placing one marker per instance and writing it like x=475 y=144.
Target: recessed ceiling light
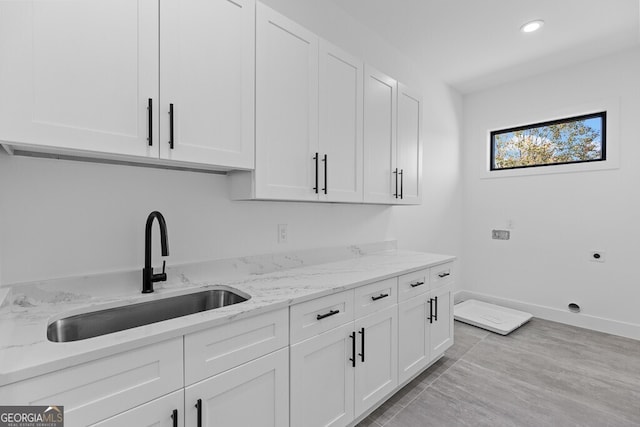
x=532 y=26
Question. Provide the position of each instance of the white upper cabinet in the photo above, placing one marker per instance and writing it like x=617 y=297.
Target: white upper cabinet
x=392 y=141
x=286 y=108
x=309 y=109
x=380 y=103
x=86 y=76
x=409 y=150
x=79 y=75
x=207 y=81
x=341 y=104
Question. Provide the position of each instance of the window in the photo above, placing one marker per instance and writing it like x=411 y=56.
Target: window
x=578 y=139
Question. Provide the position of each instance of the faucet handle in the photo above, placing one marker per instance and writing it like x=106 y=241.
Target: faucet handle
x=164 y=263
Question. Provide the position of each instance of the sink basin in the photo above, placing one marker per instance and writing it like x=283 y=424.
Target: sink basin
x=102 y=322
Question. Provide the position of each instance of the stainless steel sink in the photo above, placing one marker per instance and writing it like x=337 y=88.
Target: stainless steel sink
x=102 y=322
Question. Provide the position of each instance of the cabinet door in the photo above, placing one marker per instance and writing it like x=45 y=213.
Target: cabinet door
x=380 y=179
x=442 y=326
x=157 y=413
x=409 y=145
x=254 y=394
x=78 y=75
x=377 y=357
x=99 y=389
x=322 y=378
x=286 y=108
x=207 y=74
x=413 y=337
x=341 y=103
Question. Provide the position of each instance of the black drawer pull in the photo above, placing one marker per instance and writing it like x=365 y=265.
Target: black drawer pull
x=150 y=122
x=361 y=332
x=325 y=174
x=353 y=349
x=315 y=159
x=331 y=313
x=174 y=417
x=199 y=407
x=441 y=275
x=414 y=285
x=379 y=297
x=430 y=318
x=396 y=194
x=171 y=126
x=436 y=309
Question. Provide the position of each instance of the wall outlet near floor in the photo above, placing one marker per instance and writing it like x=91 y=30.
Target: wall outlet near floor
x=500 y=234
x=596 y=256
x=283 y=233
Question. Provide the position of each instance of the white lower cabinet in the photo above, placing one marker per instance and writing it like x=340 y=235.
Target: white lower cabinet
x=413 y=336
x=441 y=320
x=339 y=374
x=254 y=394
x=425 y=330
x=322 y=379
x=163 y=412
x=377 y=358
x=94 y=391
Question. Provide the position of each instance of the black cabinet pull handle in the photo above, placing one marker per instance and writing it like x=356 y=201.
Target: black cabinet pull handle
x=441 y=275
x=361 y=331
x=353 y=349
x=379 y=297
x=171 y=126
x=430 y=310
x=174 y=417
x=330 y=313
x=150 y=121
x=316 y=160
x=324 y=159
x=413 y=285
x=199 y=407
x=402 y=183
x=396 y=174
x=436 y=310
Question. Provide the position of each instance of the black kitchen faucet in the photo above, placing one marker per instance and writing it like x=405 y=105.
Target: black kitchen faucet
x=148 y=278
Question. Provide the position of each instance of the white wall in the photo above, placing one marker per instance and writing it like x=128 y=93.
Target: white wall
x=558 y=218
x=62 y=218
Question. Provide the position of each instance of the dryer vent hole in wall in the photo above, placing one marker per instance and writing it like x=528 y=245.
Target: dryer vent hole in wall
x=500 y=234
x=573 y=307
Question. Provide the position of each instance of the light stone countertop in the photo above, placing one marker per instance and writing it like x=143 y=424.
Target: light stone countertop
x=273 y=281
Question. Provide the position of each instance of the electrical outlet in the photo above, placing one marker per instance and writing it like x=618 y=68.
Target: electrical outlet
x=596 y=256
x=500 y=234
x=283 y=233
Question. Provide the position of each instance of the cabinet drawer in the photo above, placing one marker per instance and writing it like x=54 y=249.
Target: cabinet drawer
x=218 y=349
x=375 y=296
x=441 y=275
x=99 y=389
x=313 y=317
x=413 y=284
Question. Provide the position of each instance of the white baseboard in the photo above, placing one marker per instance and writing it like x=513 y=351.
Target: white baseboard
x=629 y=330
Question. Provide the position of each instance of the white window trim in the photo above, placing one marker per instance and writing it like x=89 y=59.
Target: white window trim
x=610 y=105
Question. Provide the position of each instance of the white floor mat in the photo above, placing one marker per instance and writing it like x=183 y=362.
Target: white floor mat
x=494 y=318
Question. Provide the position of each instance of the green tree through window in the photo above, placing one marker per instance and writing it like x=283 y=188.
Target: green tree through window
x=572 y=140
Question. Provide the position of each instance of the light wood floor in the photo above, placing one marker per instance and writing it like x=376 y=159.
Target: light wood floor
x=543 y=374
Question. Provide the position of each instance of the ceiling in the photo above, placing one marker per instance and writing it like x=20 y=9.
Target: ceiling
x=474 y=44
